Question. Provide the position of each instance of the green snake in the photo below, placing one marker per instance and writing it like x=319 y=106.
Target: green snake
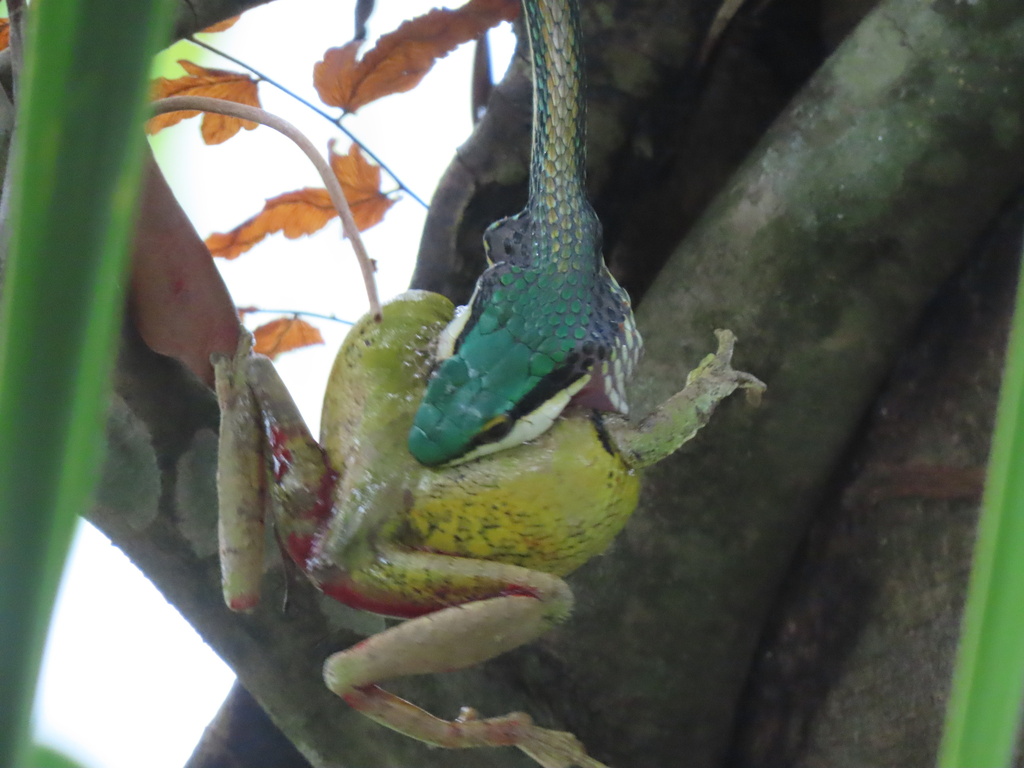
x=547 y=323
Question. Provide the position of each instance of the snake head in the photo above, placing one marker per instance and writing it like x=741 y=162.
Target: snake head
x=518 y=355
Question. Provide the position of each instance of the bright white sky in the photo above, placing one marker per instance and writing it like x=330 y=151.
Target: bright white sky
x=123 y=694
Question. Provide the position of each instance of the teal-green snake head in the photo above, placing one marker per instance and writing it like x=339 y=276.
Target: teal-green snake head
x=537 y=334
x=547 y=323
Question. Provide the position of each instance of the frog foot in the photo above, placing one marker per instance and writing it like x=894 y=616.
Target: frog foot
x=554 y=749
x=236 y=362
x=717 y=368
x=550 y=749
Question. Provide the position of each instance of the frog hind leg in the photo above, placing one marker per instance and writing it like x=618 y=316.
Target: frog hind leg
x=507 y=607
x=268 y=466
x=241 y=482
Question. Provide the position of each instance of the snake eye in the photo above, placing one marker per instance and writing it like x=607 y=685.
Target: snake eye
x=495 y=429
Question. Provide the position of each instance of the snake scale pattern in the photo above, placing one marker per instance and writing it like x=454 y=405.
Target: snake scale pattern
x=547 y=323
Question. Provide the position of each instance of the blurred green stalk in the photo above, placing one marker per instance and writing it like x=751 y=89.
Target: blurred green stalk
x=76 y=169
x=985 y=703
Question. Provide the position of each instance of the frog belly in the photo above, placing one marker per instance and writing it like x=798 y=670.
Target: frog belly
x=549 y=505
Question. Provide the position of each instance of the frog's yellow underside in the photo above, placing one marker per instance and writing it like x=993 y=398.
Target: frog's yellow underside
x=559 y=509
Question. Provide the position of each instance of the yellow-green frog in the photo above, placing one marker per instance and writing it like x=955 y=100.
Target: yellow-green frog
x=472 y=554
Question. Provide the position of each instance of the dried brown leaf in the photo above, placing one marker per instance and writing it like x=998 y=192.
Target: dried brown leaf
x=215 y=83
x=306 y=211
x=295 y=213
x=220 y=26
x=5 y=33
x=284 y=335
x=360 y=181
x=334 y=75
x=400 y=59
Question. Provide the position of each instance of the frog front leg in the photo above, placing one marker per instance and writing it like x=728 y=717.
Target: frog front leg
x=679 y=418
x=500 y=607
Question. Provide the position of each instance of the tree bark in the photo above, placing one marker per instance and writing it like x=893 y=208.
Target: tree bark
x=855 y=665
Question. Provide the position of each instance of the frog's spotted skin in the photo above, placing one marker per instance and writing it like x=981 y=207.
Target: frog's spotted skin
x=547 y=322
x=526 y=517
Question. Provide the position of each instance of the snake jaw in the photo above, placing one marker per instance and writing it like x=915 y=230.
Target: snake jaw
x=530 y=342
x=449 y=337
x=524 y=428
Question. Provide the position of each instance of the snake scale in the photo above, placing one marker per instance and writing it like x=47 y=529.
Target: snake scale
x=547 y=323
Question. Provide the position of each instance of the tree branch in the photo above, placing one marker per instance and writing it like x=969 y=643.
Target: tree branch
x=857 y=661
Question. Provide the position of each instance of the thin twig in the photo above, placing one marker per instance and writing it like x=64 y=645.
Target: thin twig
x=335 y=121
x=294 y=313
x=256 y=115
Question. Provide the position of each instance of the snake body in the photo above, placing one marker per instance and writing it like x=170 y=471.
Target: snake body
x=547 y=323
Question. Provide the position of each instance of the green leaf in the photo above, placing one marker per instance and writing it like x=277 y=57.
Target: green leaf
x=75 y=169
x=985 y=705
x=48 y=757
